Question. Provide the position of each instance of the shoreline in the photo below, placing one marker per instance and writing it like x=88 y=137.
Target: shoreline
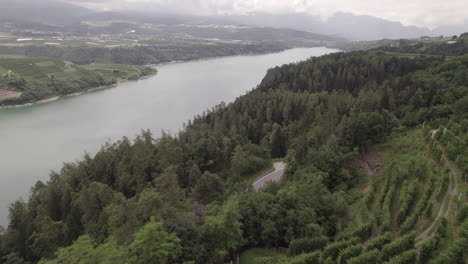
x=55 y=98
x=48 y=100
x=238 y=55
x=39 y=111
x=219 y=57
x=234 y=55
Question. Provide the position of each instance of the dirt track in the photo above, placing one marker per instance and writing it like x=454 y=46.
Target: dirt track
x=443 y=211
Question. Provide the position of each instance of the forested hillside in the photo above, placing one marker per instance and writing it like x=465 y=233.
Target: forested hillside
x=143 y=55
x=376 y=147
x=453 y=46
x=26 y=79
x=458 y=46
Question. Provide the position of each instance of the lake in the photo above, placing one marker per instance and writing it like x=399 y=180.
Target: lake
x=37 y=139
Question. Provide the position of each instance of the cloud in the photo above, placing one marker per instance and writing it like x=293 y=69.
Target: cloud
x=410 y=12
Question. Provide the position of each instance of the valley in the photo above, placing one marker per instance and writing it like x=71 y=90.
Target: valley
x=403 y=200
x=71 y=126
x=233 y=132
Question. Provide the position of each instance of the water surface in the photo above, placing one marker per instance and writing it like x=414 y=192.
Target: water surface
x=37 y=139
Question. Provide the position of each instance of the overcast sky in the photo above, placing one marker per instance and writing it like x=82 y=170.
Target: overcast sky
x=428 y=13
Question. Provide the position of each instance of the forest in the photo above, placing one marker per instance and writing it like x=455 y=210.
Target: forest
x=144 y=54
x=187 y=198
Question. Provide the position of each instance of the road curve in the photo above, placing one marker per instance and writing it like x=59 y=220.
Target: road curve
x=272 y=176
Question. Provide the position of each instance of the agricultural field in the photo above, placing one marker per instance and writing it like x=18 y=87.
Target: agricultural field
x=411 y=205
x=26 y=79
x=119 y=71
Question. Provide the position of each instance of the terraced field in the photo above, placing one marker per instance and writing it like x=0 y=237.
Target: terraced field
x=409 y=211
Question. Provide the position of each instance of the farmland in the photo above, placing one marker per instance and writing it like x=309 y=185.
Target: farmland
x=25 y=79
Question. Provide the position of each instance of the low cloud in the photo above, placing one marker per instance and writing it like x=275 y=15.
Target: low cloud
x=429 y=13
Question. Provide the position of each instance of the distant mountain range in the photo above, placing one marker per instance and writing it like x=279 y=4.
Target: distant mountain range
x=49 y=13
x=43 y=11
x=51 y=16
x=353 y=27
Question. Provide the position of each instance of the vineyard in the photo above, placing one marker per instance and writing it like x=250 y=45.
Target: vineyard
x=26 y=79
x=410 y=211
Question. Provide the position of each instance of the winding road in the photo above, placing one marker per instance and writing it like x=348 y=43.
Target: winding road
x=272 y=176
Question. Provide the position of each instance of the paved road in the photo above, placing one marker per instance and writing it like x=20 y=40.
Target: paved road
x=272 y=176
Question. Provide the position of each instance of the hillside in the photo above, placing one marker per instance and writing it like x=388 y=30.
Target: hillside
x=44 y=12
x=406 y=208
x=456 y=45
x=142 y=54
x=62 y=30
x=345 y=25
x=26 y=79
x=55 y=16
x=376 y=152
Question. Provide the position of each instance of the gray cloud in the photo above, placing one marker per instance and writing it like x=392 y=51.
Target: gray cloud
x=428 y=13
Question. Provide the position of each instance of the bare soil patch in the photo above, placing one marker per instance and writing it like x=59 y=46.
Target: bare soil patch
x=5 y=94
x=369 y=163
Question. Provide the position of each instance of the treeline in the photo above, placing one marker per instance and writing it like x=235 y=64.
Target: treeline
x=187 y=199
x=458 y=47
x=143 y=55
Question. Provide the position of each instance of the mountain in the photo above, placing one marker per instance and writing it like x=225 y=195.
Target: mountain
x=340 y=25
x=346 y=25
x=26 y=18
x=192 y=26
x=449 y=30
x=45 y=12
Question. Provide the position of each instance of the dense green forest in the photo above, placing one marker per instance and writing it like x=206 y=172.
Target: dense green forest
x=144 y=55
x=376 y=147
x=27 y=79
